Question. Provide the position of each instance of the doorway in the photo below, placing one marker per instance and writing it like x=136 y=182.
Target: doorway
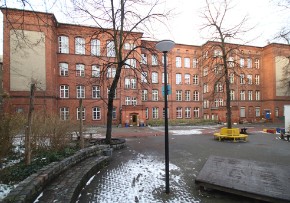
x=134 y=119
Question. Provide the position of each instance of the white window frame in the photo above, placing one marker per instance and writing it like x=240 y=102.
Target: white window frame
x=144 y=76
x=154 y=59
x=195 y=95
x=196 y=112
x=144 y=95
x=155 y=77
x=111 y=52
x=64 y=91
x=186 y=78
x=195 y=62
x=195 y=79
x=250 y=79
x=257 y=79
x=81 y=90
x=242 y=112
x=178 y=79
x=95 y=47
x=186 y=62
x=80 y=70
x=83 y=113
x=111 y=72
x=257 y=111
x=63 y=44
x=63 y=69
x=187 y=95
x=155 y=114
x=96 y=113
x=258 y=95
x=178 y=95
x=64 y=113
x=178 y=62
x=250 y=95
x=80 y=46
x=96 y=71
x=187 y=112
x=143 y=59
x=154 y=95
x=242 y=95
x=178 y=112
x=249 y=63
x=96 y=92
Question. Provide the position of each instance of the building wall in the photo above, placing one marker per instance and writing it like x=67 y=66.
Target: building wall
x=130 y=106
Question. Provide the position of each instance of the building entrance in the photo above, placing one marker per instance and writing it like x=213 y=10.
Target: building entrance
x=134 y=119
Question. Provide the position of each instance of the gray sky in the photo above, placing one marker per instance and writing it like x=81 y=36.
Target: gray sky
x=184 y=27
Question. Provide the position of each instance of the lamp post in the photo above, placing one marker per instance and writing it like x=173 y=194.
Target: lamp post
x=165 y=46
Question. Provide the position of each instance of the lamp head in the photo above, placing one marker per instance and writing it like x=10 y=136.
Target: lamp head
x=165 y=45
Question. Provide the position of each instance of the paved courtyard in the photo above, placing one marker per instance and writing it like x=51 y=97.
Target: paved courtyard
x=136 y=173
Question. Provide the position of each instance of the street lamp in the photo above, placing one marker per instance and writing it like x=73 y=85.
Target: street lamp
x=165 y=46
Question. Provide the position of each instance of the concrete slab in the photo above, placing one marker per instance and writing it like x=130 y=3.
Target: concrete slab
x=258 y=180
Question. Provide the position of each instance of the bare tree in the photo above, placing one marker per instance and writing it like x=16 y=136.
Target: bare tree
x=215 y=15
x=122 y=23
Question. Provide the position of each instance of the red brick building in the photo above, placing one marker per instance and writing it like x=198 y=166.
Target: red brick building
x=70 y=62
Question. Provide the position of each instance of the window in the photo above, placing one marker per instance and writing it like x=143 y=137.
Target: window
x=144 y=95
x=144 y=77
x=216 y=103
x=178 y=62
x=187 y=95
x=195 y=79
x=96 y=113
x=154 y=60
x=80 y=91
x=249 y=63
x=178 y=78
x=242 y=79
x=258 y=95
x=154 y=95
x=196 y=112
x=257 y=63
x=178 y=112
x=127 y=100
x=232 y=95
x=155 y=112
x=96 y=71
x=257 y=79
x=147 y=112
x=164 y=78
x=250 y=79
x=143 y=59
x=63 y=45
x=83 y=115
x=205 y=104
x=186 y=62
x=242 y=62
x=205 y=71
x=133 y=83
x=221 y=102
x=114 y=113
x=257 y=112
x=64 y=91
x=154 y=77
x=195 y=62
x=108 y=92
x=130 y=63
x=111 y=72
x=95 y=47
x=64 y=113
x=187 y=78
x=80 y=70
x=63 y=69
x=232 y=78
x=163 y=113
x=205 y=88
x=96 y=92
x=217 y=53
x=127 y=83
x=111 y=49
x=163 y=60
x=178 y=95
x=276 y=112
x=80 y=45
x=219 y=87
x=127 y=46
x=250 y=95
x=231 y=62
x=242 y=95
x=134 y=101
x=195 y=95
x=242 y=112
x=187 y=112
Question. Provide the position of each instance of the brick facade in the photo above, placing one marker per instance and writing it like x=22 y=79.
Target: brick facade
x=193 y=76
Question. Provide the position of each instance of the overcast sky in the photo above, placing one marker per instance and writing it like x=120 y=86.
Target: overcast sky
x=184 y=27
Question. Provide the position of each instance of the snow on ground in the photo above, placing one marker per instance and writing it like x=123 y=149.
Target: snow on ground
x=4 y=190
x=140 y=180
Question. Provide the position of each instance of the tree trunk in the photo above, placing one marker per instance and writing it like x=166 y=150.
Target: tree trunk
x=111 y=102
